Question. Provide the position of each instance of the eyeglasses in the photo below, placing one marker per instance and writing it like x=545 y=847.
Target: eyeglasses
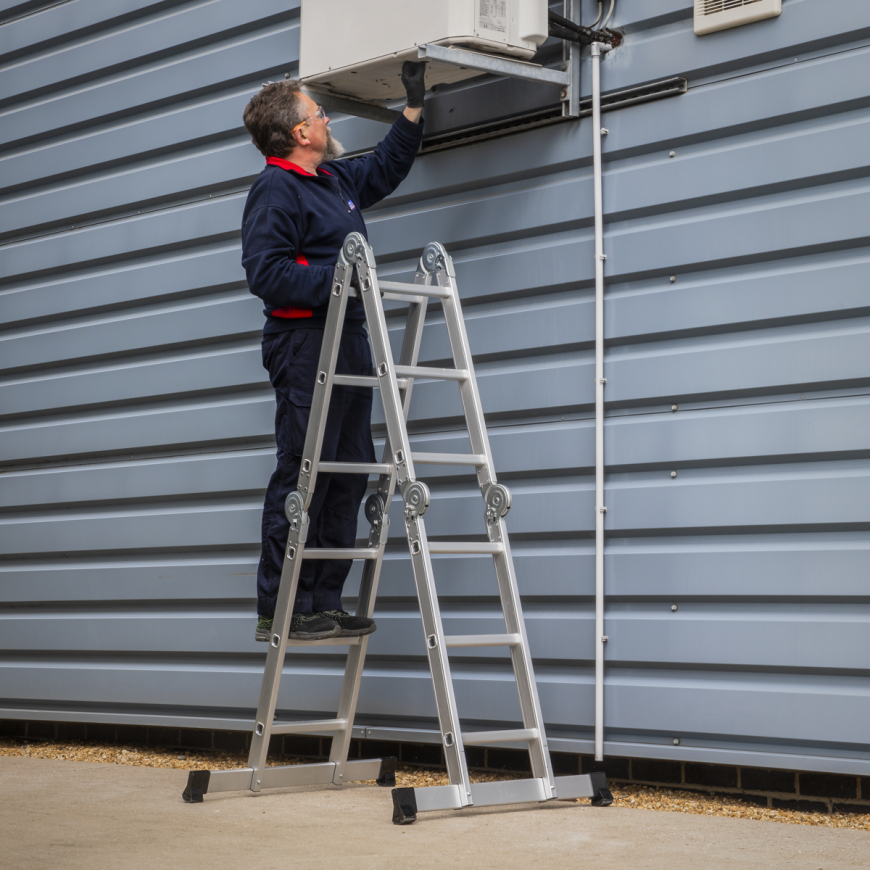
x=320 y=113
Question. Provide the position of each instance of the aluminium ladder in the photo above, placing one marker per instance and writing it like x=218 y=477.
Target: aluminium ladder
x=435 y=278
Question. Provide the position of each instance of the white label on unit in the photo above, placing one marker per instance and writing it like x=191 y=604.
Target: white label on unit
x=493 y=15
x=713 y=15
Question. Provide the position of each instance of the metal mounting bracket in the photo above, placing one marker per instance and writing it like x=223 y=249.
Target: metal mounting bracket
x=568 y=77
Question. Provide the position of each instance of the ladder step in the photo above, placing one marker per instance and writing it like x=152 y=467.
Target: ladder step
x=355 y=467
x=364 y=381
x=500 y=736
x=305 y=727
x=430 y=372
x=329 y=641
x=482 y=640
x=405 y=290
x=448 y=459
x=344 y=553
x=467 y=548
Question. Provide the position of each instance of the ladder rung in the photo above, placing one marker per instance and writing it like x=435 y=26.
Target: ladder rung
x=344 y=553
x=405 y=290
x=448 y=458
x=355 y=467
x=327 y=641
x=500 y=736
x=430 y=372
x=482 y=640
x=466 y=547
x=305 y=727
x=364 y=381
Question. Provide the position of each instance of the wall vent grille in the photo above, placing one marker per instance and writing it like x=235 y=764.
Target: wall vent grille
x=713 y=15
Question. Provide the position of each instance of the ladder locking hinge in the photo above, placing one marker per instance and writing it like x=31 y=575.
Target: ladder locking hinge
x=497 y=498
x=415 y=494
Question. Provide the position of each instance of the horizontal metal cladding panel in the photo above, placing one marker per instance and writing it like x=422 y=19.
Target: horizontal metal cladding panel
x=153 y=183
x=825 y=428
x=657 y=308
x=821 y=356
x=73 y=19
x=167 y=33
x=760 y=499
x=754 y=163
x=212 y=319
x=155 y=83
x=775 y=712
x=779 y=636
x=518 y=203
x=670 y=569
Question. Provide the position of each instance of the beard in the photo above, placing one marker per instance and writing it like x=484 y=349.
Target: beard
x=334 y=148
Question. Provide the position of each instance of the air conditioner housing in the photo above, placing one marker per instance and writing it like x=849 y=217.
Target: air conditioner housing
x=713 y=15
x=358 y=48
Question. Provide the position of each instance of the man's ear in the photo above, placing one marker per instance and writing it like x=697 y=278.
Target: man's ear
x=300 y=138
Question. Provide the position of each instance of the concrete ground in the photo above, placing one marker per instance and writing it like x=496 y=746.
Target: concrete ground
x=65 y=814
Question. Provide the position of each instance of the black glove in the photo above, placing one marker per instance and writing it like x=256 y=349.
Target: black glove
x=413 y=80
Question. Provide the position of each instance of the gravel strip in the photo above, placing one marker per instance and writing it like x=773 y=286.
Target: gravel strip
x=630 y=796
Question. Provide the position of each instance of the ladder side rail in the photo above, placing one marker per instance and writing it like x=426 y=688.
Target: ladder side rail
x=521 y=659
x=397 y=433
x=298 y=532
x=332 y=333
x=385 y=368
x=439 y=663
x=378 y=516
x=462 y=359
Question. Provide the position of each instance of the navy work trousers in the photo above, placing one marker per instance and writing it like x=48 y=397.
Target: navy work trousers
x=291 y=360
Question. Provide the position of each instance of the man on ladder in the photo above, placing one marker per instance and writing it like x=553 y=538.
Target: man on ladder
x=298 y=213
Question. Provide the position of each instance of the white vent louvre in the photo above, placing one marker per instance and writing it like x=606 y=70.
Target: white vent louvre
x=713 y=15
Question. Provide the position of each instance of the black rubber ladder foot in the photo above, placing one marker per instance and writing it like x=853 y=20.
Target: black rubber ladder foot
x=197 y=786
x=387 y=776
x=404 y=806
x=601 y=794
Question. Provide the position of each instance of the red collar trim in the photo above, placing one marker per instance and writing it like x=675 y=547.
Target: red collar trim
x=292 y=167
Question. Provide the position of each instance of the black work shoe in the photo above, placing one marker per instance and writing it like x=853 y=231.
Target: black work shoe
x=350 y=626
x=312 y=626
x=264 y=628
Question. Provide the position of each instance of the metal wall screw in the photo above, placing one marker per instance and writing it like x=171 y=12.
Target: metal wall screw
x=675 y=407
x=676 y=741
x=675 y=607
x=672 y=154
x=673 y=279
x=673 y=474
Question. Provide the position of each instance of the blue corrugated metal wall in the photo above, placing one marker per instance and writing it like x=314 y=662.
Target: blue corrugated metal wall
x=136 y=428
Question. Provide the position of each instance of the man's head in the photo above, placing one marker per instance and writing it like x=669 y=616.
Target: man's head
x=284 y=122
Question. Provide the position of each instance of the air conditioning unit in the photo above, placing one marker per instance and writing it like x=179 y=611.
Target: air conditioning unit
x=713 y=15
x=358 y=49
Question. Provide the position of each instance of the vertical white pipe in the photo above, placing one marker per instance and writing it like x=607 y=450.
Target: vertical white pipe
x=599 y=403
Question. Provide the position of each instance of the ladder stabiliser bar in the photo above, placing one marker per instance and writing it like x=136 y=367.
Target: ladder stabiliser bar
x=435 y=280
x=407 y=802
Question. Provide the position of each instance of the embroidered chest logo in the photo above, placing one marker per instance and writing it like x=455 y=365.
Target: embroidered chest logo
x=350 y=205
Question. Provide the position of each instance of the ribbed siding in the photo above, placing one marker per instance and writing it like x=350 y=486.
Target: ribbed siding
x=136 y=432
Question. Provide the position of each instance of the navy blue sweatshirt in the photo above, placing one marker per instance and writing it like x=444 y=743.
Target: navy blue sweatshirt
x=294 y=225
